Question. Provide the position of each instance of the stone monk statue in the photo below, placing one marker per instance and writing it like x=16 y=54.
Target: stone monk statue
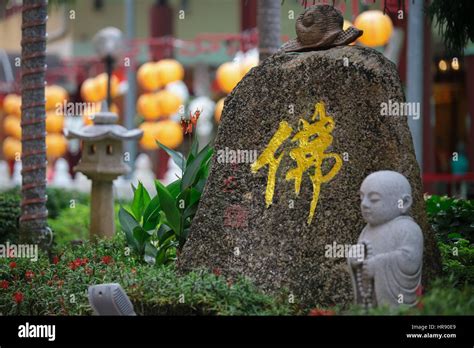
x=391 y=270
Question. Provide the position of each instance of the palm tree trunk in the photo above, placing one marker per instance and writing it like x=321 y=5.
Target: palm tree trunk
x=33 y=223
x=268 y=20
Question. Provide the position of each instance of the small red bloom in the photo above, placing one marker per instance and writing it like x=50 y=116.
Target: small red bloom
x=18 y=297
x=55 y=260
x=107 y=259
x=216 y=271
x=60 y=283
x=85 y=261
x=12 y=265
x=419 y=290
x=4 y=284
x=29 y=275
x=195 y=117
x=321 y=312
x=72 y=265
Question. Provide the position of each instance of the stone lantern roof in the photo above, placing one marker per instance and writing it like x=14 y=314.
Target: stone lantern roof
x=104 y=127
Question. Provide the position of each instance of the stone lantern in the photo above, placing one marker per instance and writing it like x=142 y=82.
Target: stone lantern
x=102 y=162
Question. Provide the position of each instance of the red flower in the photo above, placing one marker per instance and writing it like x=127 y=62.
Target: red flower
x=216 y=271
x=4 y=284
x=319 y=312
x=18 y=297
x=107 y=259
x=195 y=117
x=12 y=265
x=72 y=265
x=60 y=283
x=419 y=290
x=77 y=262
x=55 y=260
x=29 y=275
x=186 y=126
x=85 y=260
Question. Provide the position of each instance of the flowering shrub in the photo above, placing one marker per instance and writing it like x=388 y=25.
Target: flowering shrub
x=58 y=285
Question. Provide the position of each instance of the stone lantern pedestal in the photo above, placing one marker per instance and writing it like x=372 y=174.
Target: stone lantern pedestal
x=102 y=162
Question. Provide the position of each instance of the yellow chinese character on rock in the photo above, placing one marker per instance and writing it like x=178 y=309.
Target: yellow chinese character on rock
x=312 y=141
x=268 y=157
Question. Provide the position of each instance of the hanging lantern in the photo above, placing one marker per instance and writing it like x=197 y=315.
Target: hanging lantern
x=147 y=77
x=12 y=105
x=148 y=107
x=218 y=110
x=169 y=70
x=56 y=145
x=89 y=91
x=11 y=148
x=169 y=133
x=101 y=85
x=228 y=75
x=54 y=122
x=54 y=95
x=168 y=102
x=11 y=126
x=377 y=28
x=148 y=140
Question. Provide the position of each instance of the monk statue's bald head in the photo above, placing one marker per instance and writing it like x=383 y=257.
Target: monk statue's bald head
x=384 y=195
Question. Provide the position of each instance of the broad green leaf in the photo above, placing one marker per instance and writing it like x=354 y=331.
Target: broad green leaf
x=150 y=253
x=193 y=168
x=141 y=236
x=168 y=205
x=151 y=215
x=174 y=188
x=141 y=198
x=177 y=157
x=128 y=223
x=163 y=230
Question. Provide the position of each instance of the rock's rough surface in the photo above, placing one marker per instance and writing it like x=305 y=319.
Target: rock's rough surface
x=236 y=232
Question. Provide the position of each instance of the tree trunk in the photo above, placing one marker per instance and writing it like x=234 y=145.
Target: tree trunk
x=33 y=223
x=268 y=20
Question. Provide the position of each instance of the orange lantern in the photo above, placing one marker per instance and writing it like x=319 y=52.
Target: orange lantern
x=377 y=28
x=11 y=148
x=148 y=140
x=12 y=105
x=168 y=102
x=147 y=77
x=169 y=70
x=11 y=126
x=56 y=145
x=218 y=110
x=169 y=133
x=148 y=107
x=89 y=91
x=54 y=95
x=101 y=85
x=54 y=122
x=228 y=75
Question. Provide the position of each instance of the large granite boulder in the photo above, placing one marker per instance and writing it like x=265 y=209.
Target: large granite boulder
x=243 y=227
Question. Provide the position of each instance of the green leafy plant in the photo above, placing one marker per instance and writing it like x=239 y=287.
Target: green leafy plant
x=451 y=218
x=157 y=228
x=9 y=215
x=45 y=287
